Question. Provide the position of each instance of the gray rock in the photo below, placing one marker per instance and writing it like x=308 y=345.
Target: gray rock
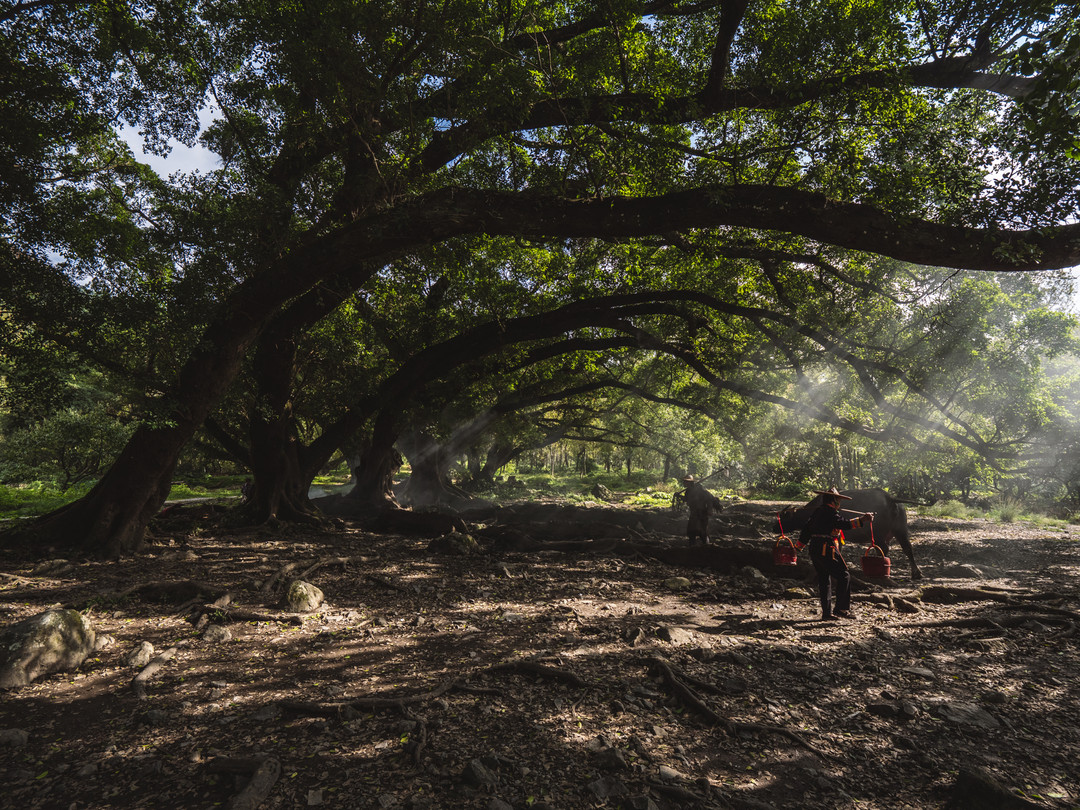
x=752 y=574
x=478 y=774
x=155 y=717
x=14 y=737
x=217 y=634
x=499 y=804
x=611 y=759
x=639 y=803
x=52 y=568
x=606 y=787
x=303 y=597
x=140 y=656
x=883 y=709
x=677 y=583
x=53 y=641
x=964 y=713
x=676 y=635
x=919 y=672
x=668 y=774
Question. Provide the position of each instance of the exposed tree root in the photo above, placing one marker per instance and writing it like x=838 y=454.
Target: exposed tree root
x=325 y=561
x=677 y=793
x=139 y=682
x=950 y=595
x=19 y=580
x=540 y=670
x=998 y=622
x=1069 y=632
x=418 y=739
x=676 y=681
x=201 y=617
x=349 y=707
x=272 y=583
x=228 y=614
x=386 y=583
x=186 y=590
x=264 y=774
x=423 y=524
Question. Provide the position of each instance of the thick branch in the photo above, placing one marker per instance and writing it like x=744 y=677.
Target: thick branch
x=451 y=212
x=644 y=108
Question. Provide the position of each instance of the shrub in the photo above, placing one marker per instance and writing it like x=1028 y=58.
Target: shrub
x=1006 y=510
x=65 y=449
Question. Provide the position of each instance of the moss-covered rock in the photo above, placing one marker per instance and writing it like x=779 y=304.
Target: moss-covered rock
x=53 y=641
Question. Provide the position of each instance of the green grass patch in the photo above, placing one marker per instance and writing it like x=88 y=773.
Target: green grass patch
x=37 y=498
x=950 y=509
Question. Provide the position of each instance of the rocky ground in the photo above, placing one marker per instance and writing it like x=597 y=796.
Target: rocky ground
x=566 y=676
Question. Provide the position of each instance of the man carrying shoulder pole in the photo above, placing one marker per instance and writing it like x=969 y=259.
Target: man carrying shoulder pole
x=823 y=535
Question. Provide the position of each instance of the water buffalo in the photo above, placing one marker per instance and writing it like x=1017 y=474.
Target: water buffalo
x=890 y=520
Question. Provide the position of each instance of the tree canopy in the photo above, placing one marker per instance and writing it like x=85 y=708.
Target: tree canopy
x=720 y=169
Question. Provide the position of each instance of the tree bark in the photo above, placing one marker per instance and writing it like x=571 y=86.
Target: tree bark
x=429 y=462
x=374 y=477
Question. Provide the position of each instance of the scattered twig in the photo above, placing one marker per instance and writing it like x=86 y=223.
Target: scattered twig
x=690 y=699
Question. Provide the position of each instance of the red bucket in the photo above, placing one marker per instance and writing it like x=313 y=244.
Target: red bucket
x=875 y=566
x=784 y=555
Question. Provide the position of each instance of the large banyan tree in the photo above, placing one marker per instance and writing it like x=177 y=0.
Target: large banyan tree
x=355 y=134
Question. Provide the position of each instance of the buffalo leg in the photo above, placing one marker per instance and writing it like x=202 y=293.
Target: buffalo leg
x=905 y=543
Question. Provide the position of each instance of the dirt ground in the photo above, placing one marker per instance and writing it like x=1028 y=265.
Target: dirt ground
x=593 y=676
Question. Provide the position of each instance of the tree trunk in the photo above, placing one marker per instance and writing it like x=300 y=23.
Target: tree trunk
x=281 y=485
x=374 y=477
x=111 y=519
x=429 y=483
x=281 y=488
x=498 y=456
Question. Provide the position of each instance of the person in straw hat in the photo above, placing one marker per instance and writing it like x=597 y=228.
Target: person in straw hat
x=701 y=504
x=824 y=535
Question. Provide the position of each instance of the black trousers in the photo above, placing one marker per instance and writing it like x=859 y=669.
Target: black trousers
x=830 y=565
